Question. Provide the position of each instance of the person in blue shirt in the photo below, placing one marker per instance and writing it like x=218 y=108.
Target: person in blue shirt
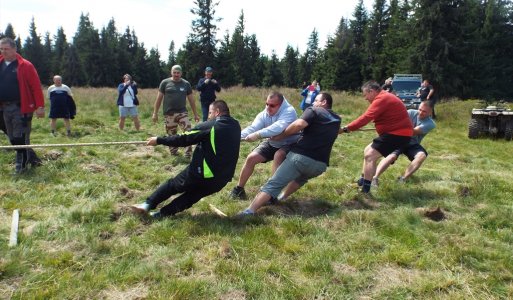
x=309 y=93
x=207 y=86
x=422 y=125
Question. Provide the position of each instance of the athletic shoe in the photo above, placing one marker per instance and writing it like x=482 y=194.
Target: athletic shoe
x=156 y=215
x=245 y=213
x=375 y=182
x=401 y=179
x=360 y=181
x=140 y=209
x=238 y=193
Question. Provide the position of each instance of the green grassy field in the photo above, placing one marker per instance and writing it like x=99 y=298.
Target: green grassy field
x=77 y=242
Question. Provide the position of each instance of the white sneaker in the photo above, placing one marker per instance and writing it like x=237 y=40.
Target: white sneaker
x=140 y=209
x=375 y=182
x=401 y=179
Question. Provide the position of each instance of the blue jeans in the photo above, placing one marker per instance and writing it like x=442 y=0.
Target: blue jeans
x=297 y=167
x=204 y=110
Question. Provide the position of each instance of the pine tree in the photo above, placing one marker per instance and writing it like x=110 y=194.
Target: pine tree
x=33 y=51
x=204 y=30
x=87 y=43
x=290 y=67
x=59 y=49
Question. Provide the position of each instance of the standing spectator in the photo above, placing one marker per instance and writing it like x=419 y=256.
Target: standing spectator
x=128 y=102
x=388 y=85
x=308 y=158
x=392 y=124
x=426 y=93
x=422 y=125
x=207 y=86
x=270 y=122
x=20 y=96
x=62 y=105
x=211 y=168
x=309 y=94
x=174 y=90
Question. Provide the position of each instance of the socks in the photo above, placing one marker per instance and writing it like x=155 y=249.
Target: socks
x=366 y=186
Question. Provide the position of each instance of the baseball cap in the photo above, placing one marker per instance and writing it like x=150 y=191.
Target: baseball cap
x=209 y=69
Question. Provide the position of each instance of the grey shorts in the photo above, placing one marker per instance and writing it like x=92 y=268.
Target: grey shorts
x=128 y=111
x=296 y=167
x=267 y=151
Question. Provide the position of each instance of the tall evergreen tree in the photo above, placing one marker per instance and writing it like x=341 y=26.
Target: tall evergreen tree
x=72 y=69
x=225 y=63
x=87 y=43
x=59 y=49
x=289 y=65
x=308 y=61
x=273 y=76
x=33 y=50
x=375 y=34
x=204 y=30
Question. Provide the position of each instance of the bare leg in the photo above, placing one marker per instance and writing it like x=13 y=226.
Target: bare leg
x=137 y=123
x=249 y=166
x=121 y=123
x=415 y=164
x=260 y=199
x=290 y=189
x=279 y=157
x=53 y=124
x=67 y=124
x=370 y=157
x=384 y=164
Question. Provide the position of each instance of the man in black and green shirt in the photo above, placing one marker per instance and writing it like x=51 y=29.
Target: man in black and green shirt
x=212 y=166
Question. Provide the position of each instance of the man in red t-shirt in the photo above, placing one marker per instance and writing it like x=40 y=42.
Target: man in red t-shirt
x=392 y=124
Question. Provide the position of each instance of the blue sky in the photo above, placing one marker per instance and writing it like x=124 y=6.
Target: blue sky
x=158 y=22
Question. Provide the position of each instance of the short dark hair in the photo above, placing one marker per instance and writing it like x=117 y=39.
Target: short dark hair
x=276 y=94
x=328 y=98
x=371 y=85
x=428 y=103
x=222 y=106
x=9 y=41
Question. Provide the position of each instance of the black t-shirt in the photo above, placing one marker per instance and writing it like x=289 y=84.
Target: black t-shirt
x=9 y=90
x=318 y=137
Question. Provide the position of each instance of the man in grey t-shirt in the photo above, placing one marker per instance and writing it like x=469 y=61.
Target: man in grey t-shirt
x=422 y=124
x=173 y=91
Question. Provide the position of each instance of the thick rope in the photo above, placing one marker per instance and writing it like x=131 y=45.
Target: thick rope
x=73 y=145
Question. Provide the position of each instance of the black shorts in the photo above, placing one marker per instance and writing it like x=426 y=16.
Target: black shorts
x=267 y=151
x=410 y=151
x=388 y=143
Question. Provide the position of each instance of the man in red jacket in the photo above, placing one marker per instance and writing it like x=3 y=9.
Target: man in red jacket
x=20 y=96
x=392 y=124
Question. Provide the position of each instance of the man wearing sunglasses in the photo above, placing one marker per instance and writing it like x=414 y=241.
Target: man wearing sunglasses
x=273 y=120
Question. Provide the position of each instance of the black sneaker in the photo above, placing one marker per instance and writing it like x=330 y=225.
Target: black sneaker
x=238 y=193
x=360 y=181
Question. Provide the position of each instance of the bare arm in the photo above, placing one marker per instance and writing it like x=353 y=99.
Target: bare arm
x=156 y=107
x=293 y=128
x=190 y=97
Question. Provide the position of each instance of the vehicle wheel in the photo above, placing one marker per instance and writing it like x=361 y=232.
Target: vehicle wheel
x=473 y=129
x=508 y=133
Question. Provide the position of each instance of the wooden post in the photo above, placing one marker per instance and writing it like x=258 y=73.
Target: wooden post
x=13 y=240
x=217 y=211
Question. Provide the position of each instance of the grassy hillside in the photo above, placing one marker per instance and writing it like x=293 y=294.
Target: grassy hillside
x=77 y=242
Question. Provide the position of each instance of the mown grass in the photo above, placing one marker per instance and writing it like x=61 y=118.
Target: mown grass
x=76 y=242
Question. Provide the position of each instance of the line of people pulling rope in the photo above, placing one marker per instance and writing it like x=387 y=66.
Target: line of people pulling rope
x=300 y=148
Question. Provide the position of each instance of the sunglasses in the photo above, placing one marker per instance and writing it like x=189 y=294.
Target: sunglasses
x=272 y=105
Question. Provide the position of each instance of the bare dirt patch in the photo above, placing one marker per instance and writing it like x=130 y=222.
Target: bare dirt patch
x=142 y=152
x=435 y=214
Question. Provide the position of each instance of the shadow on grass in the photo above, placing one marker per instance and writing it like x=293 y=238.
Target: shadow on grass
x=415 y=198
x=302 y=208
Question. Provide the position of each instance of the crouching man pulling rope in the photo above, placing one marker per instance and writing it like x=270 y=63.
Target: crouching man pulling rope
x=212 y=166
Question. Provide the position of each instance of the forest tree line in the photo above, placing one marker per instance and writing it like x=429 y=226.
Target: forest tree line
x=463 y=47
